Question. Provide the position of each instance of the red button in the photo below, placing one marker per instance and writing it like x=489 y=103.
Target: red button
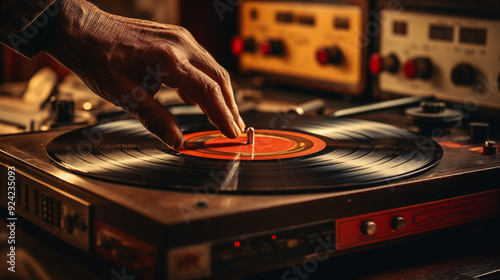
x=331 y=55
x=376 y=64
x=410 y=69
x=266 y=48
x=237 y=45
x=322 y=56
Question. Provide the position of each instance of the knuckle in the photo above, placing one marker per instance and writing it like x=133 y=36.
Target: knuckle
x=223 y=74
x=209 y=96
x=182 y=66
x=181 y=29
x=213 y=89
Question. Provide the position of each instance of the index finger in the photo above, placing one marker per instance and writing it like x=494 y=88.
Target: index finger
x=204 y=91
x=222 y=77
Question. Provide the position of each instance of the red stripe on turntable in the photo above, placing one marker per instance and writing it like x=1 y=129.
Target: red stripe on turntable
x=269 y=144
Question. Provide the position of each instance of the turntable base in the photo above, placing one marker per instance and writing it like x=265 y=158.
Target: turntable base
x=241 y=231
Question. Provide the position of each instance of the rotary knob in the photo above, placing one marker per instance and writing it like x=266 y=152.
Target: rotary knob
x=379 y=63
x=368 y=228
x=240 y=45
x=463 y=74
x=273 y=47
x=331 y=55
x=398 y=222
x=418 y=68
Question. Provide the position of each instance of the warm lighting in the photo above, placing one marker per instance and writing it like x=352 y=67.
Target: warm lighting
x=87 y=106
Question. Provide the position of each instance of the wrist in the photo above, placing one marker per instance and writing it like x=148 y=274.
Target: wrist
x=75 y=32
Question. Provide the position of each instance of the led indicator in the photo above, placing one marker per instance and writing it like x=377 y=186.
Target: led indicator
x=273 y=236
x=237 y=244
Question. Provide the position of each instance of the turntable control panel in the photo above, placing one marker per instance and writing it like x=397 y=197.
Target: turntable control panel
x=233 y=255
x=62 y=214
x=302 y=42
x=318 y=241
x=453 y=58
x=374 y=227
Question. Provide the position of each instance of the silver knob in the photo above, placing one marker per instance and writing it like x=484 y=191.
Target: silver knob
x=398 y=222
x=368 y=228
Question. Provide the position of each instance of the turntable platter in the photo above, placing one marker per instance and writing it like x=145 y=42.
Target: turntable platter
x=290 y=154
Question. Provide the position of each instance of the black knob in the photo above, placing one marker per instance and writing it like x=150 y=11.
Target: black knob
x=432 y=107
x=463 y=74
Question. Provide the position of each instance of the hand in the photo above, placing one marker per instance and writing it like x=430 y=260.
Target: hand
x=126 y=60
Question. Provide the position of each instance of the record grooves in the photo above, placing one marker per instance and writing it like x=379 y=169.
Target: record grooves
x=307 y=154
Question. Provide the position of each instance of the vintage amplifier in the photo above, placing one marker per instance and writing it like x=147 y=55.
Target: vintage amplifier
x=320 y=45
x=450 y=51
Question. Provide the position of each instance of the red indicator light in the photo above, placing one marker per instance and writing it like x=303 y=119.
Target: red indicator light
x=273 y=236
x=237 y=244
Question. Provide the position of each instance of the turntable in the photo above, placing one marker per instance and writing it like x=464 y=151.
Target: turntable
x=296 y=190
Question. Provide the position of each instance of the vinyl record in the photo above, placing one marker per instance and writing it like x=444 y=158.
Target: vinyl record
x=290 y=154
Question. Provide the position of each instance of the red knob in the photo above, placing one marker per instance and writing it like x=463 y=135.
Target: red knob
x=272 y=47
x=418 y=68
x=379 y=63
x=240 y=45
x=331 y=55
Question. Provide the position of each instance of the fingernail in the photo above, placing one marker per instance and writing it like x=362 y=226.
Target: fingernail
x=241 y=123
x=236 y=129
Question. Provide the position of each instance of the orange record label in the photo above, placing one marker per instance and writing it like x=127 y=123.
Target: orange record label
x=268 y=144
